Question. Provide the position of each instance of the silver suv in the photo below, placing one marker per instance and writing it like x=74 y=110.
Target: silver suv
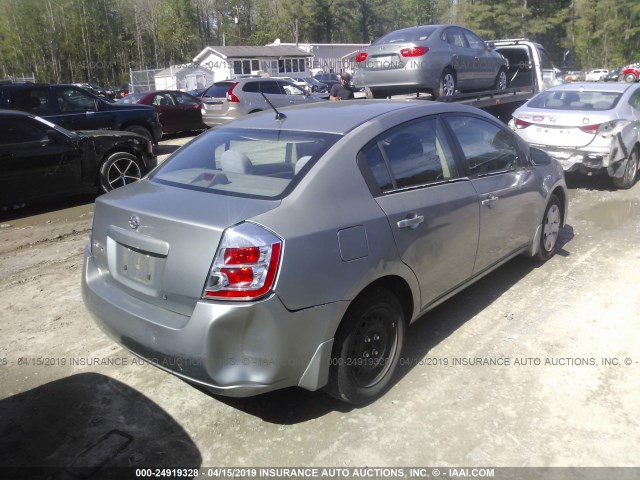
x=230 y=99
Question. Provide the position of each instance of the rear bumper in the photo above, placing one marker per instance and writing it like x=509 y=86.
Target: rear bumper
x=588 y=159
x=233 y=349
x=398 y=80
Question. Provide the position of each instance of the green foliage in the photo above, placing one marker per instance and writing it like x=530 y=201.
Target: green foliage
x=100 y=40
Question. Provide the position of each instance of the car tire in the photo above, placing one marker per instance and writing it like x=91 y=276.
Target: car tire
x=140 y=130
x=119 y=169
x=551 y=223
x=375 y=93
x=502 y=82
x=630 y=174
x=630 y=78
x=447 y=86
x=367 y=348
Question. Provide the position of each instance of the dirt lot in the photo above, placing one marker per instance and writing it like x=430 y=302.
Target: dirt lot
x=565 y=390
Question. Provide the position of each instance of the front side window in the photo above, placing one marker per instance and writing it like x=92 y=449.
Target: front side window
x=72 y=100
x=474 y=41
x=291 y=89
x=455 y=37
x=411 y=155
x=487 y=148
x=184 y=99
x=18 y=130
x=242 y=162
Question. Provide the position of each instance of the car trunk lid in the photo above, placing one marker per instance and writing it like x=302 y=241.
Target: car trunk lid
x=570 y=129
x=157 y=242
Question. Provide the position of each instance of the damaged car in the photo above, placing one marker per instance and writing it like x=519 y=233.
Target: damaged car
x=587 y=128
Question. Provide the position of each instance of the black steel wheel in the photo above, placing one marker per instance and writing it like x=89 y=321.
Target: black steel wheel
x=119 y=169
x=367 y=348
x=551 y=223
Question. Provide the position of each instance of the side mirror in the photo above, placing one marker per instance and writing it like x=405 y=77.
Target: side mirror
x=491 y=45
x=539 y=157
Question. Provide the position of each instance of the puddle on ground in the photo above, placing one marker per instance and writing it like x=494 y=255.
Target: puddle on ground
x=612 y=214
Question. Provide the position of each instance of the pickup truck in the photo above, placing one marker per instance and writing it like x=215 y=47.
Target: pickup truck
x=75 y=108
x=530 y=72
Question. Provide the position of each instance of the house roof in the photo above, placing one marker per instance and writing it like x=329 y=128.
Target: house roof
x=242 y=51
x=181 y=69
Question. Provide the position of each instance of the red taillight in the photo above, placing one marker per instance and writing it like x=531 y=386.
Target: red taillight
x=361 y=57
x=238 y=256
x=414 y=51
x=590 y=128
x=231 y=96
x=521 y=123
x=246 y=264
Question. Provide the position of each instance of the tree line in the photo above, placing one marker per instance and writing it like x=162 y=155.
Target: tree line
x=99 y=41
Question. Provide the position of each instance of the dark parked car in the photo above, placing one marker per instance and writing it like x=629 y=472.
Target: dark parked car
x=329 y=79
x=295 y=250
x=75 y=108
x=438 y=59
x=613 y=75
x=39 y=159
x=178 y=111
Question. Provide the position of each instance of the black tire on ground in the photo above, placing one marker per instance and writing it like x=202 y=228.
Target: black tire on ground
x=551 y=223
x=447 y=86
x=140 y=130
x=119 y=169
x=630 y=174
x=375 y=93
x=630 y=78
x=367 y=348
x=502 y=82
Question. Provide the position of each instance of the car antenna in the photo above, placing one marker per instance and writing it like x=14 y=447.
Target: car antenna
x=279 y=115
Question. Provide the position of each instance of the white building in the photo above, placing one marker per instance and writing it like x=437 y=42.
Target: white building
x=330 y=57
x=273 y=60
x=183 y=77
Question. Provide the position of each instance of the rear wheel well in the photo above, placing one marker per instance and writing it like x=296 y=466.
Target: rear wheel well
x=399 y=287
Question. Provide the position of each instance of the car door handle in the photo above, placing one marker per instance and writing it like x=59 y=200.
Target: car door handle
x=489 y=201
x=411 y=222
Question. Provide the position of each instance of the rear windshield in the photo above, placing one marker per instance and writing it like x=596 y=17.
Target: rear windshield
x=406 y=35
x=575 y=100
x=218 y=90
x=243 y=162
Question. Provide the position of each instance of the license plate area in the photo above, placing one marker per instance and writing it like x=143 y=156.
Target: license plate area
x=385 y=62
x=136 y=268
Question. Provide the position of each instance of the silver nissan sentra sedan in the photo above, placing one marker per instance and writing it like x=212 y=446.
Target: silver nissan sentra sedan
x=295 y=251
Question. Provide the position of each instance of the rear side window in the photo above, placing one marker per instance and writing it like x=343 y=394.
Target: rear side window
x=249 y=163
x=33 y=100
x=487 y=148
x=411 y=155
x=218 y=90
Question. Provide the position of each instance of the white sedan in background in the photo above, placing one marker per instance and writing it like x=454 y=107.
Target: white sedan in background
x=586 y=127
x=596 y=75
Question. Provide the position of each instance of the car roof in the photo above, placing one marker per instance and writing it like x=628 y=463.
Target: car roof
x=592 y=87
x=342 y=117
